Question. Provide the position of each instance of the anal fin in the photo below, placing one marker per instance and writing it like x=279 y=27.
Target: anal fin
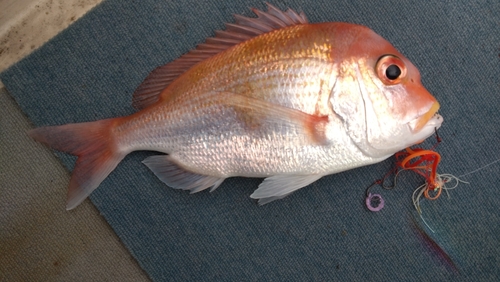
x=178 y=178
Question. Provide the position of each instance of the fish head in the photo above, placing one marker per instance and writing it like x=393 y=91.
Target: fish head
x=379 y=96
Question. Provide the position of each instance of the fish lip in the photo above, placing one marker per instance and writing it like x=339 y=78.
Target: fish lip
x=417 y=124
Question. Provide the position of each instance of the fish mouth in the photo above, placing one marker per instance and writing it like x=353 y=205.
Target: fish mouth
x=417 y=124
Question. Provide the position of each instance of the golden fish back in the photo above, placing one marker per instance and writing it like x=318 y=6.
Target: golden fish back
x=291 y=67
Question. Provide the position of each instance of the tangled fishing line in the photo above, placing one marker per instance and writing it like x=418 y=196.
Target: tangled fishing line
x=423 y=162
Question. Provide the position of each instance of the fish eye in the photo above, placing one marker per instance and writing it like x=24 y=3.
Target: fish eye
x=390 y=69
x=392 y=72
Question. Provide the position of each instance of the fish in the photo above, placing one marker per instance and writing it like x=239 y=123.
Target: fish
x=273 y=97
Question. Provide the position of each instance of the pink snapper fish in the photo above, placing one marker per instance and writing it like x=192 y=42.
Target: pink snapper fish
x=274 y=97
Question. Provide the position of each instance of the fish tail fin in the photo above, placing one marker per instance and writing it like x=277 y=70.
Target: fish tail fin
x=95 y=146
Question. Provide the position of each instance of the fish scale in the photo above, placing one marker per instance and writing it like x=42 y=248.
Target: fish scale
x=273 y=86
x=245 y=65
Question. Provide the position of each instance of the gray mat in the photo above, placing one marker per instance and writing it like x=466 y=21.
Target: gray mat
x=39 y=240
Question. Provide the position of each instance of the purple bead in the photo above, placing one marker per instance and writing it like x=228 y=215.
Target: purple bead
x=375 y=197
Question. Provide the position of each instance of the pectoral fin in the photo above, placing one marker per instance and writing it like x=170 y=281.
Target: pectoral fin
x=279 y=186
x=255 y=113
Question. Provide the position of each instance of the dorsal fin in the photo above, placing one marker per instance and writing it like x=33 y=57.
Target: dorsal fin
x=243 y=29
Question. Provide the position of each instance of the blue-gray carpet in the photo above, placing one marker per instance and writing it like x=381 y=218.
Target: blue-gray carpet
x=324 y=231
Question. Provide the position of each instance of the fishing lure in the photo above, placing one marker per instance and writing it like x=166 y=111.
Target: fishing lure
x=423 y=162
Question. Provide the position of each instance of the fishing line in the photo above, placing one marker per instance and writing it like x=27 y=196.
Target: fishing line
x=483 y=167
x=424 y=163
